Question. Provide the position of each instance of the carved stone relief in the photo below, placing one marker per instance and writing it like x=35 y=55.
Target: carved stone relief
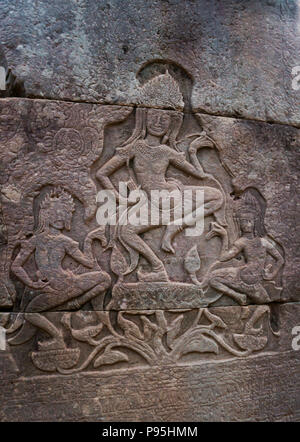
x=140 y=290
x=103 y=340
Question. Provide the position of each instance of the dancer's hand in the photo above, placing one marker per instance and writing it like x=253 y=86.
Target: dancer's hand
x=216 y=230
x=38 y=285
x=201 y=141
x=268 y=273
x=99 y=234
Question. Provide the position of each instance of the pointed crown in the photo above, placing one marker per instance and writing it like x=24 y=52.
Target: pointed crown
x=247 y=205
x=59 y=196
x=161 y=91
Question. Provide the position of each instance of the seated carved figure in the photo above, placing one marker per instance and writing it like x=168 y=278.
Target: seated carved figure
x=57 y=286
x=245 y=280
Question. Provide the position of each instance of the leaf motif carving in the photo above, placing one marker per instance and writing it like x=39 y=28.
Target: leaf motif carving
x=149 y=328
x=216 y=321
x=200 y=344
x=104 y=318
x=131 y=330
x=86 y=334
x=192 y=262
x=161 y=320
x=118 y=263
x=110 y=357
x=250 y=342
x=173 y=330
x=66 y=320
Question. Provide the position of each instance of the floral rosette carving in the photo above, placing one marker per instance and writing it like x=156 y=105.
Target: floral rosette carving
x=74 y=149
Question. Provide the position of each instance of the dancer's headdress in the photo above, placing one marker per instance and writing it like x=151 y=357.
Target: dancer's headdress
x=59 y=197
x=161 y=91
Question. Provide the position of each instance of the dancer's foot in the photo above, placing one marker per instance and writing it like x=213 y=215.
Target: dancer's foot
x=170 y=232
x=166 y=246
x=159 y=275
x=52 y=344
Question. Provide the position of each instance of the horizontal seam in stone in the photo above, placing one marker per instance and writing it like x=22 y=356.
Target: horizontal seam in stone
x=203 y=112
x=157 y=309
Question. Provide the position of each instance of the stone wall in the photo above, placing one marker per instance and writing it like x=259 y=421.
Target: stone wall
x=147 y=319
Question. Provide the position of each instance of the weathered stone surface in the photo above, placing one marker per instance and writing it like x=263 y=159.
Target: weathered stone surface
x=56 y=156
x=240 y=54
x=190 y=314
x=101 y=340
x=207 y=386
